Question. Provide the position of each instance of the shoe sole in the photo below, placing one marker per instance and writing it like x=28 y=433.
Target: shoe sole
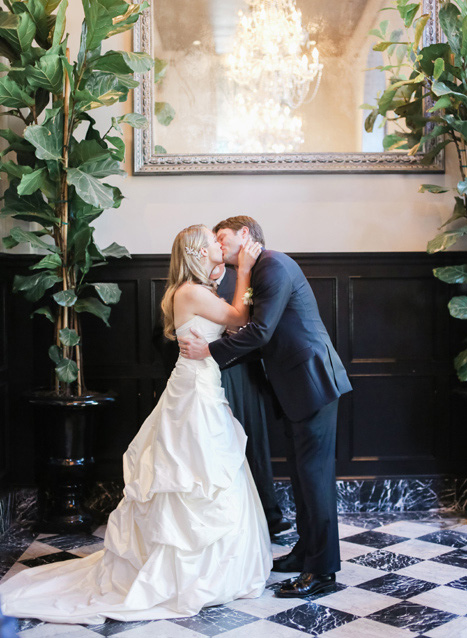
x=325 y=589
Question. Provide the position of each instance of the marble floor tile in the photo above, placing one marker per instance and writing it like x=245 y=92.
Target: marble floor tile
x=158 y=629
x=349 y=530
x=261 y=629
x=266 y=605
x=387 y=561
x=374 y=538
x=450 y=537
x=418 y=548
x=115 y=627
x=357 y=601
x=455 y=629
x=72 y=541
x=56 y=557
x=397 y=585
x=37 y=549
x=100 y=531
x=212 y=621
x=47 y=630
x=85 y=550
x=434 y=572
x=444 y=598
x=459 y=584
x=352 y=550
x=409 y=615
x=17 y=567
x=365 y=628
x=458 y=558
x=410 y=529
x=354 y=574
x=312 y=618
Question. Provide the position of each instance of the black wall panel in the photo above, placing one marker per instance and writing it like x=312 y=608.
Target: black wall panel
x=385 y=313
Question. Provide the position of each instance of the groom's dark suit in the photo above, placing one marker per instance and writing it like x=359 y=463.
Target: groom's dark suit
x=307 y=377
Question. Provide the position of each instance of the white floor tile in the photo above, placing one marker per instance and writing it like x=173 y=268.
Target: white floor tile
x=17 y=567
x=434 y=572
x=261 y=629
x=454 y=629
x=419 y=549
x=351 y=550
x=280 y=550
x=410 y=529
x=159 y=629
x=444 y=598
x=100 y=531
x=353 y=574
x=357 y=601
x=62 y=631
x=266 y=605
x=85 y=550
x=349 y=530
x=37 y=549
x=365 y=628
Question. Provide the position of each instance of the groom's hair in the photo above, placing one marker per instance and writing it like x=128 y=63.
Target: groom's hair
x=238 y=222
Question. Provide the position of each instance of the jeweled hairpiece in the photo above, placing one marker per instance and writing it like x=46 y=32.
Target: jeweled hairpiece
x=192 y=251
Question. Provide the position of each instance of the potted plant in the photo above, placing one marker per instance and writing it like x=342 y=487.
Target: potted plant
x=57 y=170
x=425 y=103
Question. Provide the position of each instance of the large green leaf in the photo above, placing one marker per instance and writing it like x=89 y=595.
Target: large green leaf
x=458 y=212
x=45 y=310
x=160 y=69
x=60 y=23
x=112 y=62
x=48 y=74
x=441 y=88
x=460 y=364
x=41 y=19
x=451 y=26
x=34 y=286
x=55 y=353
x=164 y=113
x=458 y=307
x=17 y=30
x=105 y=87
x=133 y=119
x=94 y=307
x=12 y=169
x=444 y=240
x=90 y=189
x=109 y=293
x=452 y=274
x=48 y=146
x=66 y=298
x=138 y=62
x=126 y=19
x=98 y=23
x=103 y=168
x=31 y=182
x=67 y=371
x=119 y=144
x=80 y=242
x=28 y=208
x=69 y=337
x=457 y=124
x=432 y=188
x=12 y=95
x=49 y=262
x=115 y=250
x=21 y=236
x=85 y=151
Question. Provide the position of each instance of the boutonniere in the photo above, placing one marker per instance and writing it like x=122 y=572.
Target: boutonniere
x=248 y=297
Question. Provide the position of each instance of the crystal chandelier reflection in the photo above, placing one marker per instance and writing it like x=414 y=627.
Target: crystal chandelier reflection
x=271 y=55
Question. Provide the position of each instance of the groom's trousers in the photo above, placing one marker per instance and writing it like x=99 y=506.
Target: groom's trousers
x=311 y=447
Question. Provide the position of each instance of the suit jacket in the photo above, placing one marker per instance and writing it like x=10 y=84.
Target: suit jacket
x=302 y=365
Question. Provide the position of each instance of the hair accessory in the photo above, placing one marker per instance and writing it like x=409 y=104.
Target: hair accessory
x=192 y=251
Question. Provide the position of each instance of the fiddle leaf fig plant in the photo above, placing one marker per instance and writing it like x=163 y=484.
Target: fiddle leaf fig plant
x=58 y=168
x=425 y=102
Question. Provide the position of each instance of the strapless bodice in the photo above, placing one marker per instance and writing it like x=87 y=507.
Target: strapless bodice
x=205 y=327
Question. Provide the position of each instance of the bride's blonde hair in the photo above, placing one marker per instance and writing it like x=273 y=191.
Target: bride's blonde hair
x=185 y=265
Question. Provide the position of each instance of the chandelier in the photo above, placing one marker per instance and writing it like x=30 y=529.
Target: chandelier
x=273 y=57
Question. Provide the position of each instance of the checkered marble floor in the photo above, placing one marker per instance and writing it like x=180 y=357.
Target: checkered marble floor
x=403 y=576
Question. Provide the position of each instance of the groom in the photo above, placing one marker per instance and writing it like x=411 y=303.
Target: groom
x=308 y=378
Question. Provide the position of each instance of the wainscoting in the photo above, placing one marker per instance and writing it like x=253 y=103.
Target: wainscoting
x=386 y=315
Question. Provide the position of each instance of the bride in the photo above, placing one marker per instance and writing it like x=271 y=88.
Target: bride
x=190 y=531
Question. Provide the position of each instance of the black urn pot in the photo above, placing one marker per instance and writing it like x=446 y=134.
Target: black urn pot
x=64 y=458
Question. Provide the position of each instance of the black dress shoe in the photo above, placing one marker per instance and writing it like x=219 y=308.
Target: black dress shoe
x=288 y=563
x=281 y=526
x=307 y=585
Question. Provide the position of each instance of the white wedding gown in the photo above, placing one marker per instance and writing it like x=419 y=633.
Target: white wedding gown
x=190 y=531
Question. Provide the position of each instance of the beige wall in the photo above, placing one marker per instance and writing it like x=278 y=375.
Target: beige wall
x=309 y=213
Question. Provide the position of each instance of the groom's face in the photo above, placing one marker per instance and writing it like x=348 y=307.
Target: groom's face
x=231 y=241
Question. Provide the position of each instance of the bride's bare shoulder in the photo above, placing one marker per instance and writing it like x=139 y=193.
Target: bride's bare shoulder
x=189 y=291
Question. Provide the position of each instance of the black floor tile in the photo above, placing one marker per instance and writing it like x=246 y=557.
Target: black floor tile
x=48 y=558
x=312 y=618
x=461 y=583
x=216 y=620
x=114 y=627
x=449 y=537
x=415 y=618
x=397 y=585
x=375 y=539
x=386 y=561
x=458 y=558
x=72 y=541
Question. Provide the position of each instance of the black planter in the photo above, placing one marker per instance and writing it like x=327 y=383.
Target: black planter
x=64 y=435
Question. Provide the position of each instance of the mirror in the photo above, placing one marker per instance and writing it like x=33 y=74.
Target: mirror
x=266 y=86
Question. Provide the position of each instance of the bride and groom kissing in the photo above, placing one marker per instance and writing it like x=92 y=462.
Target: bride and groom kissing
x=190 y=531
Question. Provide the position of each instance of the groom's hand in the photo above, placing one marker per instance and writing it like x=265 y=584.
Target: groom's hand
x=195 y=347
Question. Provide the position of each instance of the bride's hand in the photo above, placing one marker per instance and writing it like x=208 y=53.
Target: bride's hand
x=248 y=255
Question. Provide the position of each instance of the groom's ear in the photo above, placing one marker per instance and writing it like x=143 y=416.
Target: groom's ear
x=245 y=232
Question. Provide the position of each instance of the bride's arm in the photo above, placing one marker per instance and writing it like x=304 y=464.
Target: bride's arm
x=202 y=302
